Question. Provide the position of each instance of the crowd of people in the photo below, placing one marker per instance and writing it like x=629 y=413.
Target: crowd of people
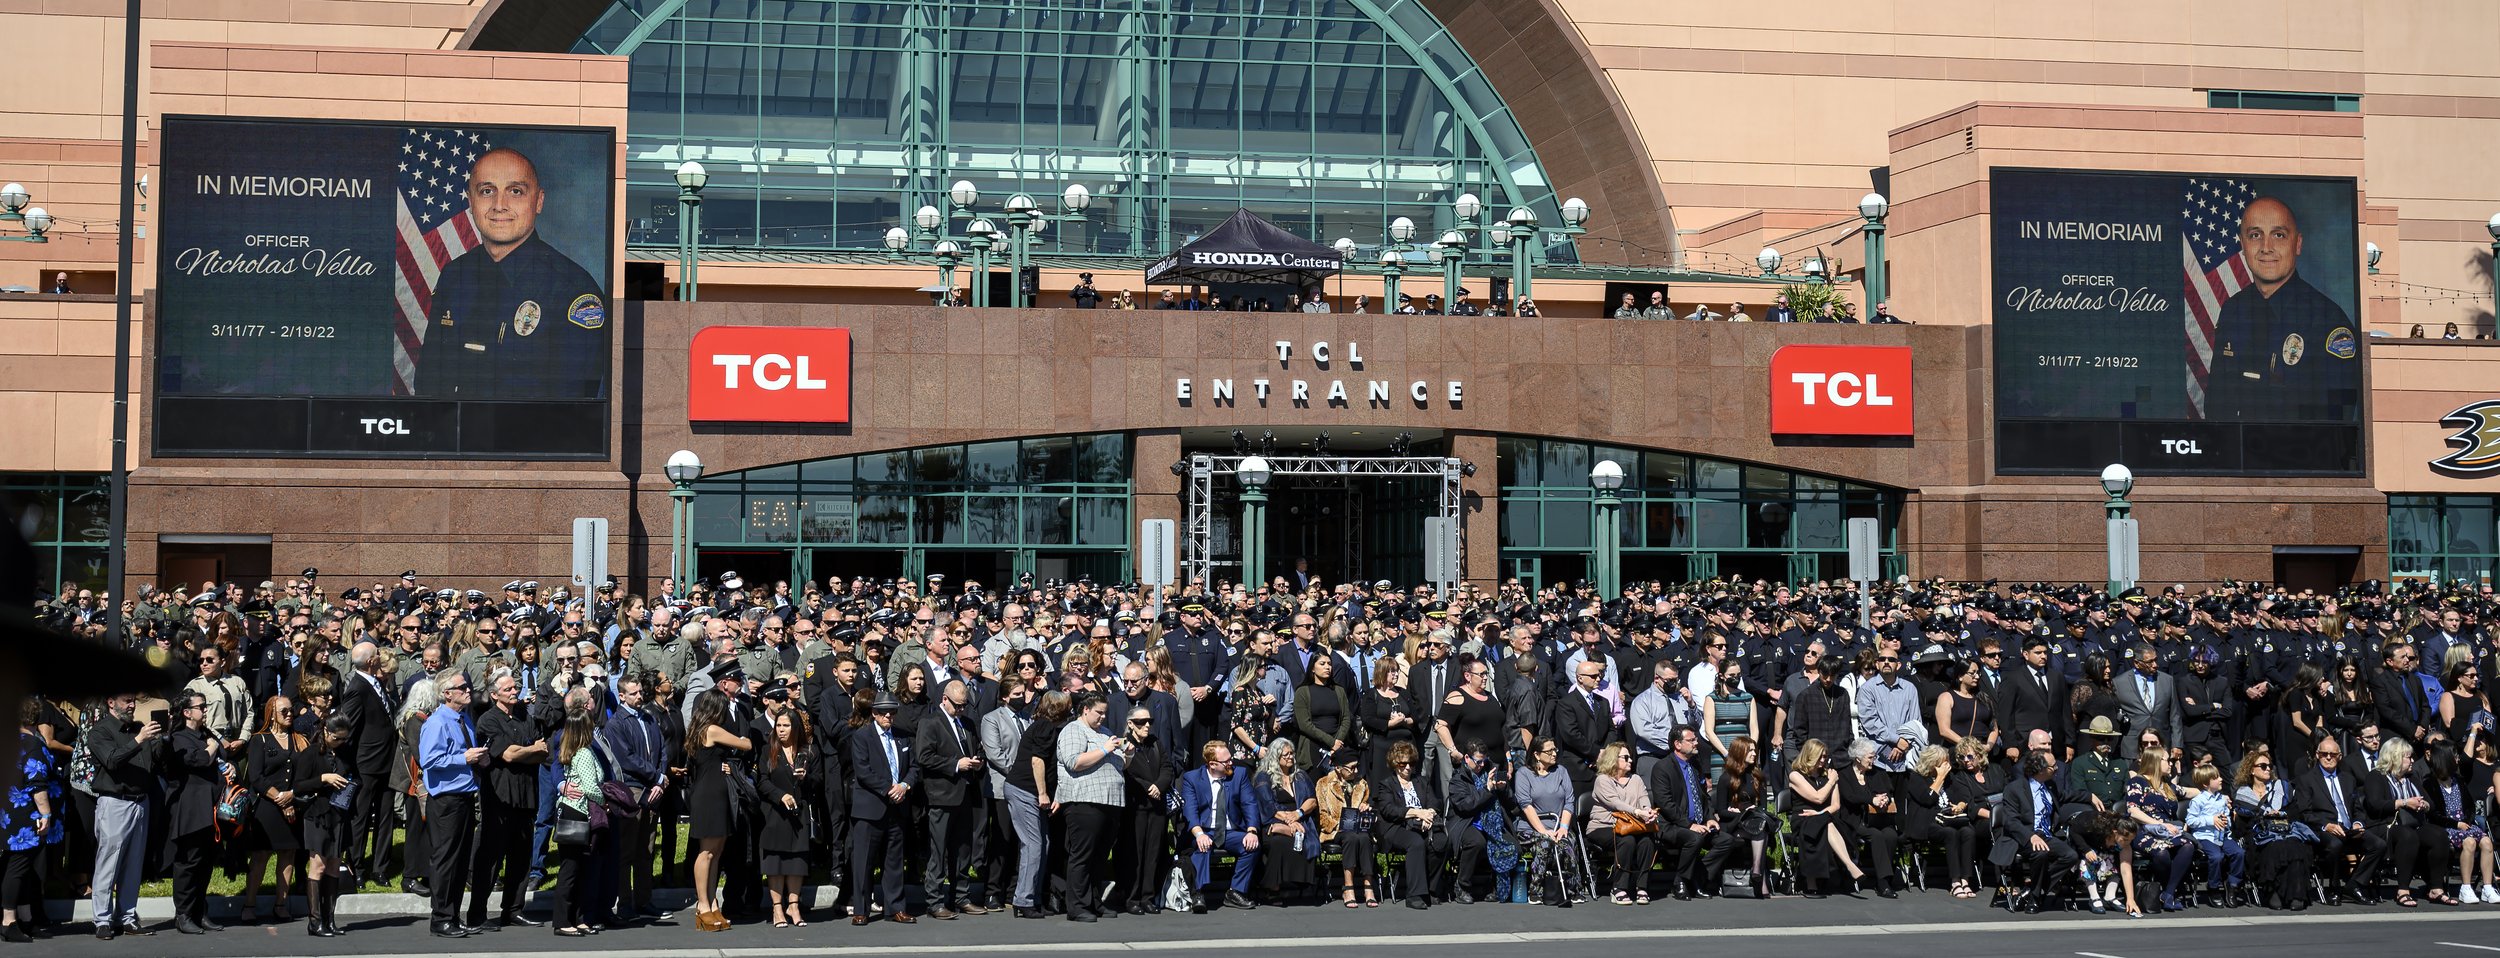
x=1083 y=750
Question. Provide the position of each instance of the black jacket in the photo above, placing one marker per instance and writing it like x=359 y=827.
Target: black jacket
x=193 y=783
x=1390 y=800
x=374 y=741
x=2312 y=803
x=2022 y=707
x=1666 y=793
x=1582 y=730
x=937 y=750
x=870 y=778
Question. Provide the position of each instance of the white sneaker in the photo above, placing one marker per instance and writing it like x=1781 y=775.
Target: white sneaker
x=2491 y=896
x=2466 y=895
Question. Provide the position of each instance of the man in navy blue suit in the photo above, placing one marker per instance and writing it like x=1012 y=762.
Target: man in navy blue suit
x=1221 y=809
x=882 y=778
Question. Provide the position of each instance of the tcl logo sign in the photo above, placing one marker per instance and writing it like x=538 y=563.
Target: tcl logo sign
x=1841 y=391
x=769 y=374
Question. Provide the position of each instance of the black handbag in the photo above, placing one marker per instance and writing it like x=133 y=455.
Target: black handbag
x=570 y=832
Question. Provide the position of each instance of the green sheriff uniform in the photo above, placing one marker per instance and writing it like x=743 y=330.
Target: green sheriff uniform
x=2290 y=356
x=531 y=326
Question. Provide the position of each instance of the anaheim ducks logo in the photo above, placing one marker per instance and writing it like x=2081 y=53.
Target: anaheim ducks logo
x=2478 y=429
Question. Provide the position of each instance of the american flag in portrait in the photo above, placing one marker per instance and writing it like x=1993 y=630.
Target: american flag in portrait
x=433 y=230
x=2210 y=233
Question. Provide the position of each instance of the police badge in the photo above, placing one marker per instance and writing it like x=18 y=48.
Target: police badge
x=525 y=319
x=2293 y=348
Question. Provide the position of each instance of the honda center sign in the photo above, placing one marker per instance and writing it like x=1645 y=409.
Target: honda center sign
x=769 y=374
x=1841 y=391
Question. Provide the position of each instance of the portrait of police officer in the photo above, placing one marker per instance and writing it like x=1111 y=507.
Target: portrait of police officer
x=2283 y=350
x=514 y=317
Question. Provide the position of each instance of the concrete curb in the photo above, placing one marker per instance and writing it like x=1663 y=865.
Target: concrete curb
x=385 y=904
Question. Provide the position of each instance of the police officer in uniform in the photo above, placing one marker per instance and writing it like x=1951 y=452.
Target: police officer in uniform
x=2285 y=351
x=513 y=318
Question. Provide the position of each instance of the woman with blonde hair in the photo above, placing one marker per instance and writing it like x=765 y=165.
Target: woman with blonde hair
x=1623 y=823
x=2393 y=805
x=1931 y=815
x=1814 y=815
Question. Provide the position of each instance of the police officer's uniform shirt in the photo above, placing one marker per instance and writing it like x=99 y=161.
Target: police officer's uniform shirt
x=530 y=326
x=2292 y=355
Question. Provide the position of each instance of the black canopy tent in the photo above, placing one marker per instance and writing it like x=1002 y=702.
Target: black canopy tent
x=1246 y=249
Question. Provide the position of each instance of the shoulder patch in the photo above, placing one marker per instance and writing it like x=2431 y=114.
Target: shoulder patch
x=586 y=312
x=2340 y=343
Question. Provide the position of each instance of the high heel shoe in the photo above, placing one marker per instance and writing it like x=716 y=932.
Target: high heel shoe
x=710 y=921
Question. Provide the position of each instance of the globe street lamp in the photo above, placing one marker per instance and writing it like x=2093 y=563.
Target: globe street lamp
x=947 y=253
x=1768 y=260
x=983 y=236
x=1522 y=222
x=1451 y=250
x=2117 y=480
x=1606 y=477
x=690 y=180
x=1254 y=473
x=1345 y=254
x=1873 y=206
x=1392 y=265
x=683 y=468
x=13 y=209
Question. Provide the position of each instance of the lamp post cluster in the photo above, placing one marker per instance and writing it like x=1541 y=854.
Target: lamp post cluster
x=1449 y=250
x=13 y=209
x=1023 y=219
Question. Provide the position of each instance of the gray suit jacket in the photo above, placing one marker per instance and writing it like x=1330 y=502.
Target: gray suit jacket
x=2136 y=715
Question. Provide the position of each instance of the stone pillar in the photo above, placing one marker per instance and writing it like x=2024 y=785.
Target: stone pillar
x=1155 y=491
x=1480 y=508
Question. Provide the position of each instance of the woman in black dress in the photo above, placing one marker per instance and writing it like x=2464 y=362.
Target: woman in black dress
x=1963 y=709
x=913 y=693
x=323 y=794
x=1384 y=718
x=2094 y=696
x=2305 y=705
x=273 y=831
x=709 y=798
x=1469 y=715
x=788 y=792
x=1321 y=719
x=2350 y=705
x=1870 y=816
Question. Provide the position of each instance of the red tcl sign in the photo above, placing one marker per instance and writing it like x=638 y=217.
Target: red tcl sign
x=1841 y=391
x=769 y=374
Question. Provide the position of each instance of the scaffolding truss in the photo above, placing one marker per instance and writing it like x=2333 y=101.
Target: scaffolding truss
x=1198 y=540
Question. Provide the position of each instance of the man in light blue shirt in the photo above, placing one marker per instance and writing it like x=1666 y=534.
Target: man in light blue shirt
x=1888 y=714
x=447 y=759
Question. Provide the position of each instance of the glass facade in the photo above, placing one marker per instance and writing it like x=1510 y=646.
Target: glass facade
x=72 y=510
x=2443 y=538
x=1683 y=517
x=825 y=122
x=1055 y=506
